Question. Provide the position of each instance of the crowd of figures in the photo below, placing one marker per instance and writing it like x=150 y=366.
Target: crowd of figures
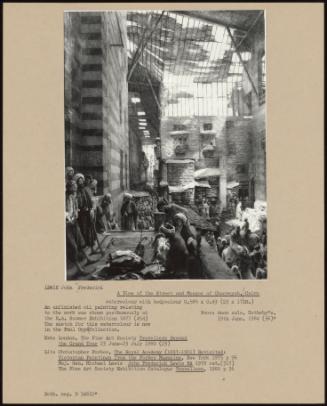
x=145 y=219
x=194 y=251
x=245 y=252
x=184 y=248
x=137 y=212
x=88 y=215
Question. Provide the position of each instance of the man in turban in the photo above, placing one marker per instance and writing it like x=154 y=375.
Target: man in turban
x=74 y=238
x=69 y=173
x=85 y=212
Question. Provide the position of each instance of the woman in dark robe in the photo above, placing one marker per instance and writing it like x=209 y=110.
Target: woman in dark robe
x=194 y=267
x=177 y=256
x=85 y=212
x=129 y=213
x=104 y=214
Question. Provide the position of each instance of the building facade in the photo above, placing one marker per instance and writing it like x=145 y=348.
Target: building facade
x=96 y=99
x=227 y=146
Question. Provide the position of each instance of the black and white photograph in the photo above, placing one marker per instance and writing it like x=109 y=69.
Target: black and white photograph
x=165 y=145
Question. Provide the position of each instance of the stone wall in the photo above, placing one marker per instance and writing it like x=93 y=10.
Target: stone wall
x=180 y=174
x=197 y=138
x=96 y=99
x=238 y=149
x=195 y=141
x=73 y=89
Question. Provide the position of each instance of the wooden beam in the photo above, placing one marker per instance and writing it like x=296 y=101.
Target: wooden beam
x=152 y=89
x=143 y=44
x=212 y=20
x=250 y=29
x=242 y=62
x=132 y=83
x=149 y=118
x=141 y=41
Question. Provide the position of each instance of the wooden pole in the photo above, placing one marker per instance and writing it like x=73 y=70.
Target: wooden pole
x=153 y=92
x=242 y=62
x=143 y=45
x=250 y=29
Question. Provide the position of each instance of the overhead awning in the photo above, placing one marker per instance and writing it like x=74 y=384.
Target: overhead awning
x=181 y=188
x=190 y=185
x=175 y=133
x=208 y=148
x=231 y=185
x=190 y=53
x=176 y=189
x=202 y=183
x=138 y=193
x=179 y=161
x=208 y=132
x=206 y=173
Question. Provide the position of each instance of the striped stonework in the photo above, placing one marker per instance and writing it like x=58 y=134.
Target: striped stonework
x=96 y=99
